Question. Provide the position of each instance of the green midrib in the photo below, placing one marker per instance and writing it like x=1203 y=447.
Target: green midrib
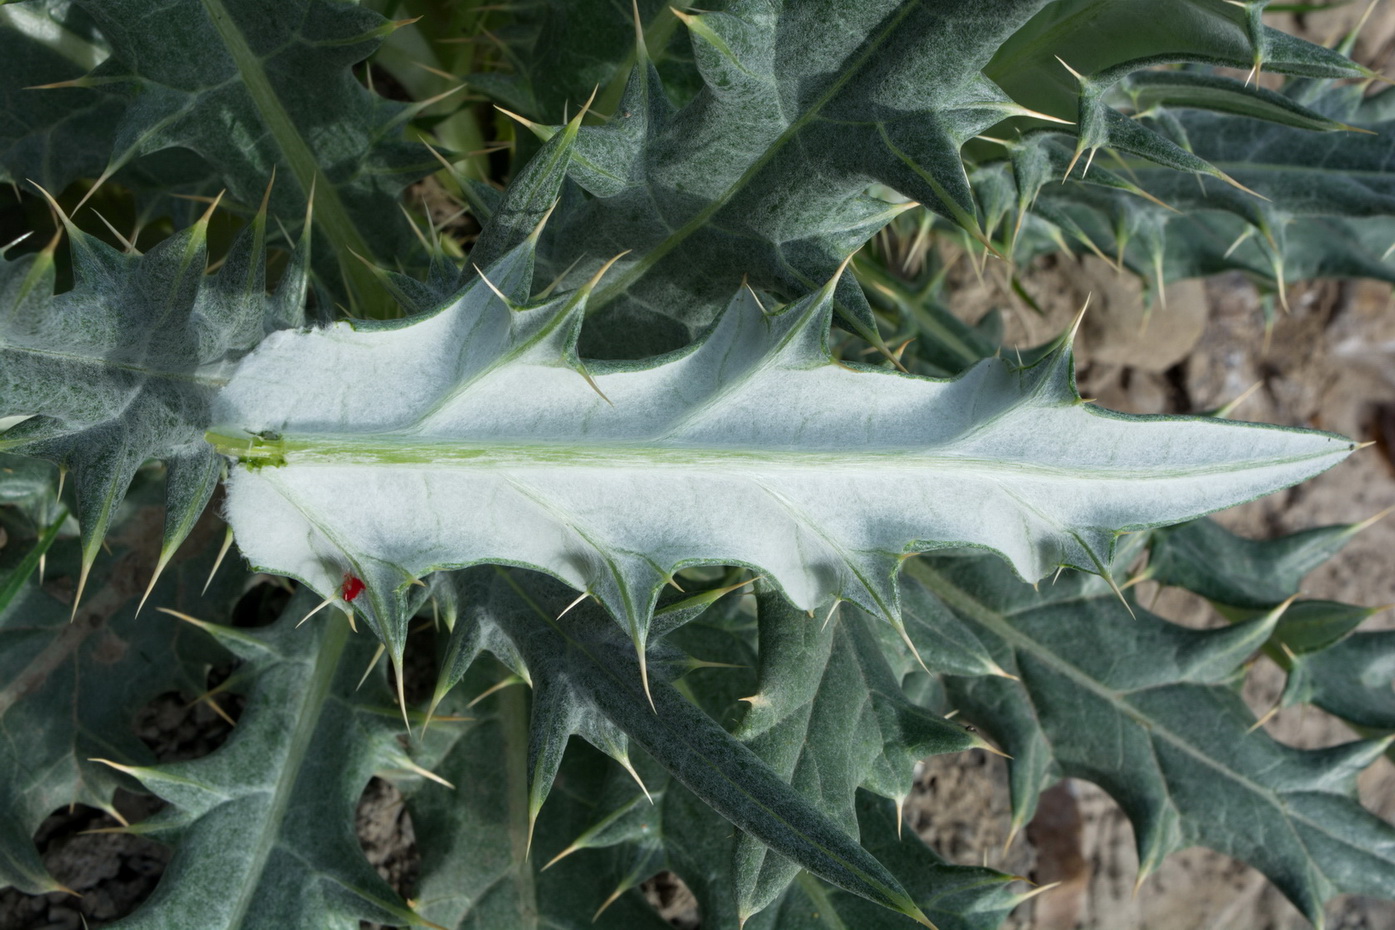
x=512 y=455
x=513 y=725
x=307 y=719
x=332 y=216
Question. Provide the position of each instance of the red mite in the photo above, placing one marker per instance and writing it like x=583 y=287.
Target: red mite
x=352 y=587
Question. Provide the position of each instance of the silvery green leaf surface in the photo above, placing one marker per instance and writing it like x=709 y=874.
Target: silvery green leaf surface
x=123 y=367
x=1143 y=708
x=828 y=715
x=221 y=96
x=478 y=870
x=752 y=447
x=263 y=827
x=70 y=686
x=585 y=658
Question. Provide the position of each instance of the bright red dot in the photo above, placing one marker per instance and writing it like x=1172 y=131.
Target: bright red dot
x=352 y=586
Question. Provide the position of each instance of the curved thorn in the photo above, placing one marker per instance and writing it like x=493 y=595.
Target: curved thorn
x=371 y=663
x=628 y=766
x=160 y=564
x=560 y=856
x=401 y=693
x=317 y=608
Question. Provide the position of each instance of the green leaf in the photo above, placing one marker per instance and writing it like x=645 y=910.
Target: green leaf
x=1327 y=207
x=1140 y=707
x=594 y=675
x=1209 y=560
x=54 y=134
x=70 y=688
x=953 y=897
x=1149 y=89
x=252 y=88
x=1311 y=626
x=829 y=717
x=562 y=50
x=1106 y=40
x=1351 y=680
x=263 y=826
x=473 y=837
x=764 y=173
x=123 y=368
x=754 y=447
x=30 y=486
x=956 y=897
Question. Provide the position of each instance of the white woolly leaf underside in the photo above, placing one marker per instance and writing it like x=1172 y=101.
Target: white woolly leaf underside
x=471 y=435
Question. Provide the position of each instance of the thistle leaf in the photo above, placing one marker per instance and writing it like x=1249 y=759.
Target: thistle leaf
x=764 y=173
x=263 y=826
x=1209 y=560
x=585 y=654
x=829 y=717
x=1327 y=207
x=753 y=447
x=123 y=368
x=1351 y=680
x=221 y=95
x=477 y=868
x=1142 y=708
x=70 y=688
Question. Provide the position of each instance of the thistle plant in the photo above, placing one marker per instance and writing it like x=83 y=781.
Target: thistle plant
x=617 y=466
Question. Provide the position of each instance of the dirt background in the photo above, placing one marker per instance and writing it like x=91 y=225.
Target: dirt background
x=1329 y=362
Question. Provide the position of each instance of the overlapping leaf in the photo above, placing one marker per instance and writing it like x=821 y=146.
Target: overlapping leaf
x=1141 y=707
x=558 y=51
x=594 y=680
x=955 y=897
x=1353 y=679
x=1068 y=58
x=263 y=826
x=1209 y=560
x=70 y=689
x=478 y=870
x=218 y=96
x=765 y=173
x=123 y=367
x=62 y=133
x=1325 y=207
x=829 y=717
x=1244 y=578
